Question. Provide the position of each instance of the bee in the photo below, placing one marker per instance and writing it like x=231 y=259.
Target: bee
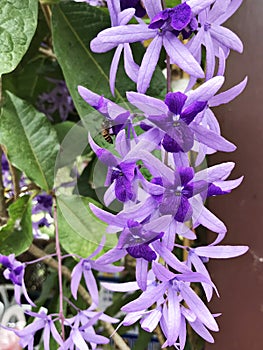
x=105 y=132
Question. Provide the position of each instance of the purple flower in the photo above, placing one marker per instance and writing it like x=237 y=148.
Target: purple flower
x=82 y=330
x=135 y=238
x=41 y=321
x=123 y=171
x=174 y=288
x=175 y=200
x=58 y=100
x=117 y=116
x=177 y=116
x=214 y=36
x=120 y=173
x=118 y=18
x=5 y=171
x=44 y=204
x=36 y=228
x=137 y=241
x=200 y=255
x=14 y=272
x=163 y=34
x=84 y=267
x=168 y=294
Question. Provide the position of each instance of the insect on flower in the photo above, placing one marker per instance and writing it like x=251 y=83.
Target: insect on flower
x=105 y=132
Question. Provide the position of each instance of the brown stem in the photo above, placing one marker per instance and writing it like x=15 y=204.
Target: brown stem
x=163 y=4
x=15 y=179
x=160 y=336
x=168 y=74
x=60 y=281
x=47 y=13
x=39 y=253
x=48 y=52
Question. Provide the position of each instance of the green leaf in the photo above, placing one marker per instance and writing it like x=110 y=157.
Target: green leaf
x=30 y=140
x=74 y=25
x=29 y=79
x=16 y=235
x=80 y=231
x=18 y=22
x=172 y=3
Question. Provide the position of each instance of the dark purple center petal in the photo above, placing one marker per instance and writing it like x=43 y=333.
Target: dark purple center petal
x=186 y=175
x=170 y=145
x=5 y=261
x=157 y=181
x=181 y=16
x=184 y=211
x=190 y=112
x=43 y=222
x=214 y=190
x=142 y=251
x=131 y=223
x=158 y=20
x=175 y=102
x=181 y=134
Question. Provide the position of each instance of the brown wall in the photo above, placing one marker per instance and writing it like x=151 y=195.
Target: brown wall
x=240 y=280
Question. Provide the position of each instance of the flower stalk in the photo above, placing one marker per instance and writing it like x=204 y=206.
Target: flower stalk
x=60 y=283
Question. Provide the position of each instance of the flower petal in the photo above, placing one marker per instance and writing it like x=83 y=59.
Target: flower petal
x=153 y=7
x=146 y=299
x=126 y=34
x=221 y=252
x=131 y=68
x=198 y=307
x=148 y=64
x=229 y=95
x=175 y=102
x=226 y=37
x=212 y=139
x=181 y=56
x=114 y=67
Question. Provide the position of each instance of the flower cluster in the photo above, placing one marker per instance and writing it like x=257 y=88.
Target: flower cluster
x=150 y=171
x=155 y=171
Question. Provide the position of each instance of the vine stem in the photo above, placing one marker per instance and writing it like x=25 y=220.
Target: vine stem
x=47 y=13
x=60 y=282
x=39 y=253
